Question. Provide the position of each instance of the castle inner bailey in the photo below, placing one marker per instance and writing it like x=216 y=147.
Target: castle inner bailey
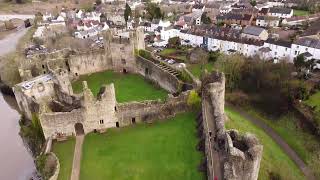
x=101 y=113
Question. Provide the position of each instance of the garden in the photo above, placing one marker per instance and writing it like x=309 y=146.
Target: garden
x=128 y=87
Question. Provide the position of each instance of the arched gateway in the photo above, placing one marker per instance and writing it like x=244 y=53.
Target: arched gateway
x=79 y=129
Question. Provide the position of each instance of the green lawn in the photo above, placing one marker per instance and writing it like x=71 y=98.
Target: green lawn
x=304 y=144
x=274 y=159
x=162 y=150
x=64 y=151
x=314 y=100
x=168 y=51
x=300 y=12
x=175 y=53
x=128 y=87
x=195 y=69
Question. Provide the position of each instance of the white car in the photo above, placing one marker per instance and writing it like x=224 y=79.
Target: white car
x=171 y=61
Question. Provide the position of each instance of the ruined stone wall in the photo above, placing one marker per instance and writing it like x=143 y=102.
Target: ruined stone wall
x=62 y=123
x=229 y=155
x=150 y=71
x=123 y=58
x=148 y=111
x=93 y=114
x=89 y=62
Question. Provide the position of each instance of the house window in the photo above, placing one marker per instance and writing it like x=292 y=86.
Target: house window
x=115 y=108
x=295 y=52
x=133 y=120
x=42 y=66
x=286 y=49
x=101 y=121
x=117 y=124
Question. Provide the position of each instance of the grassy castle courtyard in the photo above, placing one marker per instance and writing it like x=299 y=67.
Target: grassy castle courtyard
x=128 y=87
x=162 y=150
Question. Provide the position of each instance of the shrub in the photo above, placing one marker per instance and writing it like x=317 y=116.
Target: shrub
x=32 y=133
x=46 y=165
x=238 y=98
x=194 y=100
x=145 y=54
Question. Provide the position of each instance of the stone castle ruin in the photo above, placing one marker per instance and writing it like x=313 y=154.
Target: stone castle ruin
x=229 y=155
x=47 y=91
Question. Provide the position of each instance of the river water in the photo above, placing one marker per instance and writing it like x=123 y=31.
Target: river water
x=16 y=162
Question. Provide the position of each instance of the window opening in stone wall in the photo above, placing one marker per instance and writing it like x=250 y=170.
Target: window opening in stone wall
x=133 y=120
x=117 y=124
x=115 y=108
x=43 y=66
x=124 y=71
x=76 y=74
x=123 y=61
x=101 y=121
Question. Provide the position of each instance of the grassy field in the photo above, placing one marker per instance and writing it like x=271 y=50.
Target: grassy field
x=314 y=100
x=128 y=87
x=64 y=151
x=195 y=69
x=174 y=53
x=162 y=150
x=304 y=144
x=274 y=159
x=300 y=12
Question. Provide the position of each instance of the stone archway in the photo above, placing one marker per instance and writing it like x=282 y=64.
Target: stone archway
x=79 y=129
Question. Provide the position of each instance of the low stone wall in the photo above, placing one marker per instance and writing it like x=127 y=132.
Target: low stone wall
x=57 y=170
x=149 y=70
x=229 y=155
x=148 y=111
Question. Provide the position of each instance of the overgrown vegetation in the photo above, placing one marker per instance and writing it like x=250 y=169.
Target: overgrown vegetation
x=46 y=165
x=270 y=86
x=32 y=133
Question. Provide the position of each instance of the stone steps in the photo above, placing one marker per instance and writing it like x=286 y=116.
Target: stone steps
x=168 y=69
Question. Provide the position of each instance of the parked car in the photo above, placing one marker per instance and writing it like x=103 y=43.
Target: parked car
x=171 y=61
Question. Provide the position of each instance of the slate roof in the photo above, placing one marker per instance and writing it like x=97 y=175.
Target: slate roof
x=279 y=42
x=232 y=16
x=253 y=30
x=280 y=10
x=309 y=42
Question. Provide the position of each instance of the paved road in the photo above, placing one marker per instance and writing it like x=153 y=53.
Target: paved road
x=10 y=42
x=75 y=174
x=285 y=147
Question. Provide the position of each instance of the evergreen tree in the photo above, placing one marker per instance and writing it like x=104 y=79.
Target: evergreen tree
x=127 y=13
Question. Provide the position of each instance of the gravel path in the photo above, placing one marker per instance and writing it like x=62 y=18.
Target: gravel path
x=75 y=174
